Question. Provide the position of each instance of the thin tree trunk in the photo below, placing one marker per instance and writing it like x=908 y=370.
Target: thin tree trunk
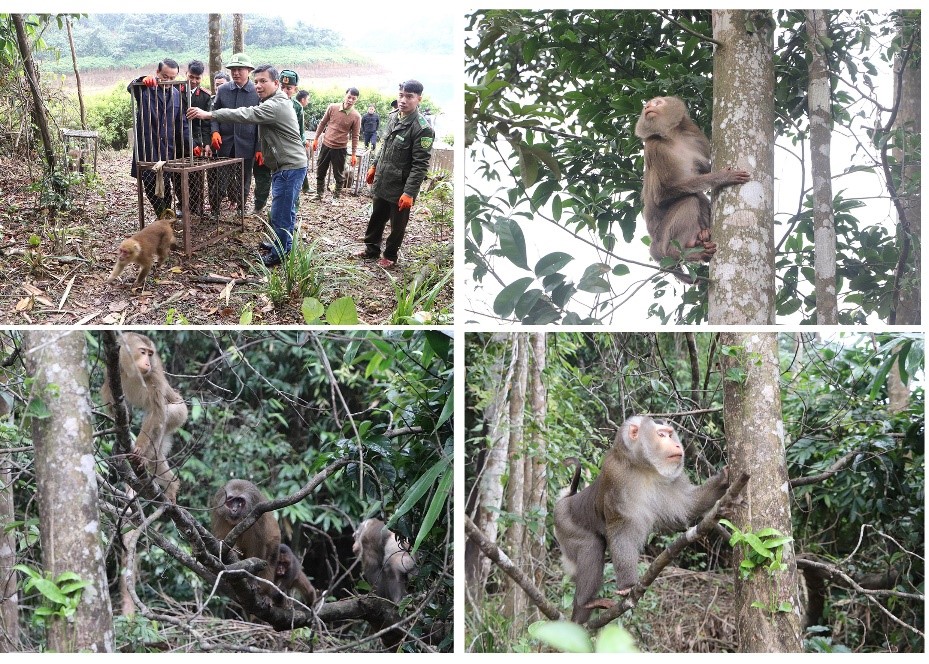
x=66 y=485
x=9 y=579
x=238 y=33
x=77 y=75
x=819 y=100
x=908 y=305
x=215 y=31
x=755 y=435
x=38 y=105
x=514 y=601
x=536 y=467
x=742 y=274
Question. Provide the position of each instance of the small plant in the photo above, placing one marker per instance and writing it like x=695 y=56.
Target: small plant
x=416 y=300
x=763 y=550
x=60 y=596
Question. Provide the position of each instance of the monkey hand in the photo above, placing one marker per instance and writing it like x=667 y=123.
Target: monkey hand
x=354 y=160
x=369 y=178
x=216 y=141
x=315 y=143
x=259 y=158
x=150 y=81
x=198 y=151
x=738 y=176
x=405 y=202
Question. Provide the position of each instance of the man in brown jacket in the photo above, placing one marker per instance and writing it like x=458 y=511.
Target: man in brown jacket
x=340 y=122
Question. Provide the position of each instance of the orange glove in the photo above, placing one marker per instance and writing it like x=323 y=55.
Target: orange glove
x=259 y=158
x=405 y=203
x=369 y=178
x=150 y=81
x=315 y=143
x=354 y=160
x=217 y=140
x=198 y=151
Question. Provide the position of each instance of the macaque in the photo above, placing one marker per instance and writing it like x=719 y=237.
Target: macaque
x=348 y=174
x=154 y=240
x=677 y=173
x=142 y=377
x=641 y=487
x=289 y=576
x=384 y=563
x=75 y=159
x=231 y=505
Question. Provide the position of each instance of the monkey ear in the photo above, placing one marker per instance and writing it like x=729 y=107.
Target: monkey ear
x=633 y=431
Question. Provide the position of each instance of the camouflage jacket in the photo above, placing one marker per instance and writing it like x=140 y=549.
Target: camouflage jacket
x=402 y=163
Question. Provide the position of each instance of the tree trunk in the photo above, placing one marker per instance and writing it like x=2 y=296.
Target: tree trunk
x=238 y=33
x=489 y=490
x=215 y=29
x=908 y=309
x=819 y=100
x=741 y=288
x=9 y=597
x=77 y=75
x=514 y=601
x=69 y=523
x=755 y=435
x=536 y=502
x=38 y=105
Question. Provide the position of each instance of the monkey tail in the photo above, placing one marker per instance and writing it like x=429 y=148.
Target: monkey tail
x=577 y=475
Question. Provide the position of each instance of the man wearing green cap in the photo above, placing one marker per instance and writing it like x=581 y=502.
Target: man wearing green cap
x=282 y=149
x=236 y=140
x=397 y=172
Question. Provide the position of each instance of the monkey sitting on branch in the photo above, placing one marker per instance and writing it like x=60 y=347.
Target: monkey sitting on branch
x=677 y=173
x=153 y=241
x=641 y=487
x=144 y=385
x=385 y=564
x=289 y=576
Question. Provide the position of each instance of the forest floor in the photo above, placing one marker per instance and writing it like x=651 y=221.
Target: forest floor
x=55 y=273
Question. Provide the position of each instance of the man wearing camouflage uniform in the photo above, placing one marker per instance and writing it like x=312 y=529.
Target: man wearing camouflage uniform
x=397 y=172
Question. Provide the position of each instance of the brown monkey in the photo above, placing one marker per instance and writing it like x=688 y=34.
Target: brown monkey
x=231 y=505
x=153 y=241
x=384 y=563
x=641 y=487
x=677 y=173
x=142 y=376
x=289 y=576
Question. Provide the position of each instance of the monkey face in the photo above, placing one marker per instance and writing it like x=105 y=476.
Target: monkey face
x=143 y=360
x=236 y=506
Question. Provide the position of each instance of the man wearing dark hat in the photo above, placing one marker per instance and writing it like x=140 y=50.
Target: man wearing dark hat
x=283 y=152
x=235 y=140
x=397 y=172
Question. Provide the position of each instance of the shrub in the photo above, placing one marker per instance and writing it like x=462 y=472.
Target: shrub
x=110 y=114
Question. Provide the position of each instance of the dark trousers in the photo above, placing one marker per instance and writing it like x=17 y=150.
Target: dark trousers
x=371 y=137
x=195 y=192
x=262 y=185
x=382 y=212
x=225 y=182
x=159 y=203
x=334 y=156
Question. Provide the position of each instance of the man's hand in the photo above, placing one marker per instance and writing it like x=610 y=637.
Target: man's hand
x=194 y=113
x=149 y=81
x=217 y=140
x=198 y=151
x=369 y=178
x=405 y=203
x=354 y=160
x=259 y=158
x=315 y=143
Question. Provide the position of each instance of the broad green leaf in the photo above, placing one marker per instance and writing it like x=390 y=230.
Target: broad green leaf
x=312 y=310
x=342 y=312
x=506 y=300
x=512 y=242
x=562 y=635
x=552 y=263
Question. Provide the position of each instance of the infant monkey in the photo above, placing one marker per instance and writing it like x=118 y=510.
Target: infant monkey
x=153 y=241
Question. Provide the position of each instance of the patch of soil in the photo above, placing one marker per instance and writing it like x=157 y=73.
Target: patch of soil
x=55 y=273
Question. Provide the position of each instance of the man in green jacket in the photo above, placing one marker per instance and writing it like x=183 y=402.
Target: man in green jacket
x=280 y=148
x=397 y=172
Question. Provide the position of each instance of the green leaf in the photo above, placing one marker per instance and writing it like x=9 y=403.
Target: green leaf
x=528 y=167
x=561 y=635
x=435 y=507
x=245 y=318
x=753 y=541
x=512 y=242
x=506 y=300
x=592 y=281
x=312 y=310
x=50 y=591
x=551 y=263
x=613 y=638
x=342 y=312
x=418 y=489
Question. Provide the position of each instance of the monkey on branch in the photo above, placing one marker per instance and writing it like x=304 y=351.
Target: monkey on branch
x=677 y=175
x=641 y=488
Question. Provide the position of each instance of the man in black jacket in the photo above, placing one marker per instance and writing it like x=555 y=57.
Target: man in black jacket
x=235 y=140
x=193 y=95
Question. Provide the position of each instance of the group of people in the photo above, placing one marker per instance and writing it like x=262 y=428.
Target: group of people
x=257 y=114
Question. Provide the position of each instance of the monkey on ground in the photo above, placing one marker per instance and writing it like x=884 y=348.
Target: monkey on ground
x=231 y=505
x=641 y=488
x=153 y=241
x=677 y=173
x=142 y=377
x=384 y=563
x=289 y=576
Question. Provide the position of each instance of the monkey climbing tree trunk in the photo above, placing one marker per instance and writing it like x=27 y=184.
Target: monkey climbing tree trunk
x=767 y=603
x=69 y=522
x=742 y=290
x=819 y=100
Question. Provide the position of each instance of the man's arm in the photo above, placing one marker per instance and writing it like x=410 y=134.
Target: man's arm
x=422 y=155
